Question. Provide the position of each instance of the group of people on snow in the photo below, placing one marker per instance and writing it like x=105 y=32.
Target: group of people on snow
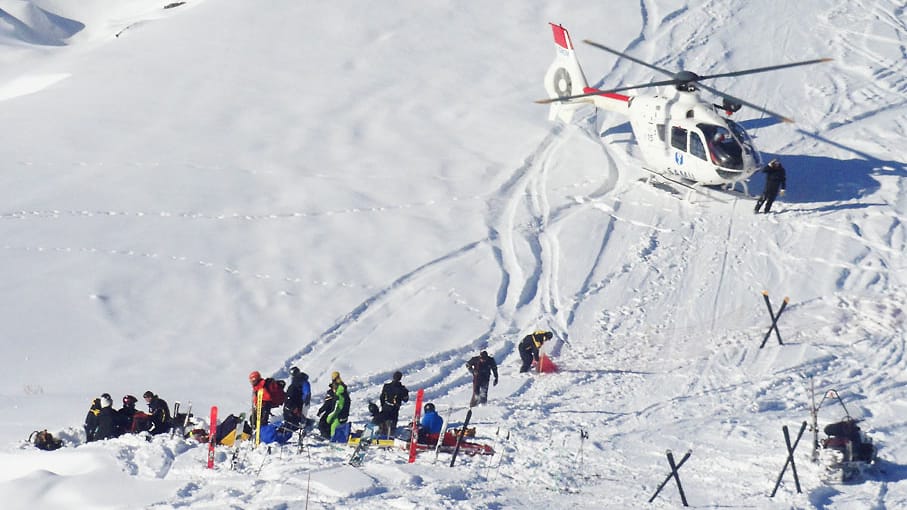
x=105 y=422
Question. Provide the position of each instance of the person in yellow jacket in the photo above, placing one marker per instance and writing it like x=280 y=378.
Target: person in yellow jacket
x=529 y=348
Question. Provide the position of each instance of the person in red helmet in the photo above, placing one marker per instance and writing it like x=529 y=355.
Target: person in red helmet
x=259 y=384
x=125 y=415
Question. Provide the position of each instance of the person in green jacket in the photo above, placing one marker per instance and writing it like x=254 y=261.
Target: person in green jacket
x=341 y=412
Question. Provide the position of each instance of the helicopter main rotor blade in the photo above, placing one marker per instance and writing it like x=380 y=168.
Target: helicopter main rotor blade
x=609 y=91
x=628 y=57
x=767 y=68
x=747 y=103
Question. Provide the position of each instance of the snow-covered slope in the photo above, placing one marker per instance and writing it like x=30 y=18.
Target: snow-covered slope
x=195 y=192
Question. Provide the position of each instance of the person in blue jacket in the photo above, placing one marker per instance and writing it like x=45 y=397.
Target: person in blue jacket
x=430 y=425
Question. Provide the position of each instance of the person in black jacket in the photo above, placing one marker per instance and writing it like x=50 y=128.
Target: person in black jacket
x=529 y=348
x=125 y=414
x=393 y=395
x=481 y=367
x=775 y=181
x=299 y=396
x=106 y=419
x=327 y=405
x=91 y=420
x=160 y=413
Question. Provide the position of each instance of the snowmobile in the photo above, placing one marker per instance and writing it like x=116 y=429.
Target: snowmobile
x=846 y=451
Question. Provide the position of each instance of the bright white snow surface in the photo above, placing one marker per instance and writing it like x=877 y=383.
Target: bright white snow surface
x=196 y=192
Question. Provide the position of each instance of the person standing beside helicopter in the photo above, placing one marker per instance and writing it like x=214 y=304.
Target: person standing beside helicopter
x=775 y=181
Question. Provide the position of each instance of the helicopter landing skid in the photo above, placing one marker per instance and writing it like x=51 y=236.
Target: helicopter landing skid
x=689 y=188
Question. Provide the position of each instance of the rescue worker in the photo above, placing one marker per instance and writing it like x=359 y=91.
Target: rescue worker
x=341 y=411
x=393 y=395
x=91 y=420
x=481 y=367
x=529 y=348
x=259 y=385
x=159 y=411
x=430 y=425
x=327 y=405
x=106 y=419
x=299 y=397
x=775 y=182
x=125 y=415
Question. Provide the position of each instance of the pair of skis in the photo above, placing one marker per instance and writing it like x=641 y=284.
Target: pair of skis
x=175 y=419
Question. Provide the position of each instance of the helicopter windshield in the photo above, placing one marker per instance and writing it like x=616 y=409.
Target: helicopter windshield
x=744 y=138
x=723 y=147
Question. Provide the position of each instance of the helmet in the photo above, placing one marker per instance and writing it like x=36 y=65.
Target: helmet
x=129 y=400
x=254 y=376
x=294 y=371
x=429 y=408
x=774 y=162
x=335 y=375
x=106 y=401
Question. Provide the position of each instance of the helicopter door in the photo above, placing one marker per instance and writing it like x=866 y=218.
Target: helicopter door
x=697 y=148
x=679 y=138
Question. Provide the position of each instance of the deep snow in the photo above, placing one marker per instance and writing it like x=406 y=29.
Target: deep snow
x=196 y=192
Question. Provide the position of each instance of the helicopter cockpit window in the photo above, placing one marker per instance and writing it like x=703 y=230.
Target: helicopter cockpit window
x=696 y=147
x=741 y=135
x=724 y=148
x=679 y=138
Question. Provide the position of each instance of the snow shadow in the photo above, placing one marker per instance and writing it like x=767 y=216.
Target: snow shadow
x=823 y=179
x=34 y=25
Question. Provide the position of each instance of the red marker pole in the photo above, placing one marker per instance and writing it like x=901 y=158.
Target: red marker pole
x=212 y=438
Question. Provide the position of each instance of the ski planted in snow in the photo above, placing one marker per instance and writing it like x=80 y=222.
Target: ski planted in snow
x=234 y=460
x=440 y=438
x=259 y=398
x=414 y=437
x=462 y=433
x=174 y=418
x=501 y=436
x=212 y=437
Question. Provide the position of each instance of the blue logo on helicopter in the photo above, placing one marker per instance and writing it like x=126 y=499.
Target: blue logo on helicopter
x=678 y=158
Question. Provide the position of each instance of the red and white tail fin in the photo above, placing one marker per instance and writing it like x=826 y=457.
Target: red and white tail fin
x=564 y=77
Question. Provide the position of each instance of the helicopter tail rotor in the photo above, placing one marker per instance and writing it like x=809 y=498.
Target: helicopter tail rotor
x=565 y=77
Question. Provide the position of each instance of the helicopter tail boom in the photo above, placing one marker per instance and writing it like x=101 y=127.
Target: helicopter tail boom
x=565 y=78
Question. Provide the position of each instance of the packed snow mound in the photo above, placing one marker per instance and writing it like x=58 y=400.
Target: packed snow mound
x=24 y=21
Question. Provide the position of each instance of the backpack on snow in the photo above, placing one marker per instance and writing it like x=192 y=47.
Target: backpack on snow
x=44 y=440
x=276 y=390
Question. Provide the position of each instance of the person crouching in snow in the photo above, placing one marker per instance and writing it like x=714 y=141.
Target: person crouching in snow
x=529 y=348
x=430 y=425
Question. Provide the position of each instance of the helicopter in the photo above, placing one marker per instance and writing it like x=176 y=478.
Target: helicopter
x=683 y=139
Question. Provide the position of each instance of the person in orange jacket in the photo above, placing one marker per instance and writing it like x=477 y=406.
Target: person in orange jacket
x=258 y=384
